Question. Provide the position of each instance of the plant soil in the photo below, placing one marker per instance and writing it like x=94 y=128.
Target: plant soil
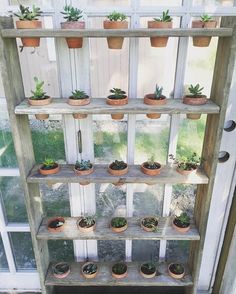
x=87 y=269
x=113 y=223
x=146 y=222
x=147 y=271
x=119 y=268
x=173 y=270
x=156 y=165
x=179 y=224
x=83 y=224
x=49 y=167
x=77 y=168
x=54 y=224
x=115 y=98
x=73 y=98
x=114 y=167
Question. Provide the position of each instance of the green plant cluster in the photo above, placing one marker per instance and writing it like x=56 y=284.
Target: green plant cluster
x=38 y=93
x=196 y=90
x=183 y=219
x=150 y=222
x=71 y=13
x=118 y=165
x=177 y=268
x=118 y=222
x=26 y=14
x=119 y=268
x=187 y=163
x=116 y=16
x=49 y=163
x=151 y=164
x=61 y=268
x=90 y=268
x=89 y=220
x=149 y=267
x=78 y=94
x=117 y=94
x=83 y=164
x=206 y=18
x=158 y=92
x=165 y=17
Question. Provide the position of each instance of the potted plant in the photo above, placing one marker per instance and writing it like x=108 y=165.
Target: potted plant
x=176 y=270
x=149 y=223
x=118 y=97
x=118 y=168
x=89 y=270
x=39 y=98
x=151 y=167
x=49 y=167
x=79 y=98
x=164 y=22
x=148 y=270
x=28 y=19
x=61 y=270
x=119 y=270
x=186 y=165
x=115 y=21
x=182 y=222
x=119 y=224
x=86 y=224
x=83 y=168
x=207 y=22
x=56 y=224
x=195 y=98
x=155 y=99
x=72 y=16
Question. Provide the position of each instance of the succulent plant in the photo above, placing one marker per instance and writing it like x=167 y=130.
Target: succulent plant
x=165 y=17
x=196 y=90
x=38 y=93
x=158 y=92
x=83 y=164
x=177 y=268
x=71 y=13
x=150 y=222
x=78 y=94
x=116 y=16
x=48 y=163
x=90 y=268
x=206 y=18
x=119 y=268
x=148 y=267
x=118 y=165
x=118 y=222
x=151 y=164
x=26 y=14
x=61 y=268
x=187 y=163
x=117 y=94
x=88 y=220
x=183 y=219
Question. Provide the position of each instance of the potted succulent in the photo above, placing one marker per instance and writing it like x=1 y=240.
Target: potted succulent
x=118 y=97
x=149 y=223
x=83 y=168
x=151 y=167
x=72 y=16
x=56 y=224
x=89 y=270
x=115 y=21
x=182 y=222
x=195 y=98
x=49 y=167
x=119 y=270
x=164 y=22
x=186 y=165
x=61 y=270
x=148 y=270
x=86 y=224
x=155 y=99
x=28 y=19
x=39 y=98
x=207 y=22
x=176 y=270
x=79 y=98
x=119 y=224
x=118 y=168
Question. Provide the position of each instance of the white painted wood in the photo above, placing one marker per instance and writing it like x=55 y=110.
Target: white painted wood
x=20 y=282
x=9 y=172
x=17 y=227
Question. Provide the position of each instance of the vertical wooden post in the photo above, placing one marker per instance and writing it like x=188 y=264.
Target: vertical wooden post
x=223 y=72
x=14 y=92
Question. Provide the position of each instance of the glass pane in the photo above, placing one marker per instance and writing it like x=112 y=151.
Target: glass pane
x=145 y=250
x=12 y=195
x=160 y=2
x=103 y=3
x=177 y=251
x=111 y=250
x=3 y=259
x=30 y=2
x=61 y=250
x=23 y=251
x=213 y=2
x=55 y=199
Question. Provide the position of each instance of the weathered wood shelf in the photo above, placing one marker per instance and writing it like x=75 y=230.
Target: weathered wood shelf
x=102 y=33
x=104 y=277
x=101 y=175
x=103 y=231
x=99 y=106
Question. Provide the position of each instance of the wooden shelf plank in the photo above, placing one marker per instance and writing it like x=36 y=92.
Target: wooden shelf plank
x=103 y=231
x=99 y=106
x=104 y=277
x=101 y=175
x=102 y=33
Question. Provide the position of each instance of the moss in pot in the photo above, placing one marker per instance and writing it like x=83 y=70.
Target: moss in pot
x=56 y=224
x=148 y=270
x=176 y=270
x=79 y=98
x=83 y=168
x=49 y=167
x=155 y=99
x=118 y=168
x=89 y=270
x=119 y=270
x=186 y=165
x=86 y=224
x=61 y=270
x=119 y=224
x=181 y=223
x=118 y=97
x=149 y=224
x=151 y=167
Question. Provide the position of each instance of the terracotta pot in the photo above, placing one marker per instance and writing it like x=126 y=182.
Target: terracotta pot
x=114 y=102
x=78 y=102
x=63 y=275
x=85 y=229
x=121 y=276
x=179 y=229
x=56 y=218
x=200 y=100
x=193 y=115
x=40 y=102
x=52 y=171
x=119 y=230
x=150 y=100
x=72 y=25
x=115 y=42
x=29 y=24
x=117 y=172
x=147 y=276
x=202 y=41
x=175 y=276
x=150 y=172
x=84 y=172
x=145 y=228
x=186 y=172
x=159 y=41
x=92 y=276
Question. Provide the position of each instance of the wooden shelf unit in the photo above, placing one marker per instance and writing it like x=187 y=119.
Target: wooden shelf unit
x=19 y=111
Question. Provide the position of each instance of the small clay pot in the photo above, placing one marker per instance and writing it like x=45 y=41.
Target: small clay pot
x=159 y=41
x=180 y=229
x=78 y=102
x=190 y=100
x=147 y=275
x=40 y=102
x=186 y=172
x=62 y=276
x=84 y=172
x=29 y=24
x=58 y=229
x=52 y=171
x=151 y=172
x=92 y=276
x=202 y=41
x=173 y=275
x=119 y=230
x=72 y=25
x=115 y=42
x=115 y=102
x=148 y=229
x=117 y=172
x=119 y=276
x=149 y=99
x=85 y=229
